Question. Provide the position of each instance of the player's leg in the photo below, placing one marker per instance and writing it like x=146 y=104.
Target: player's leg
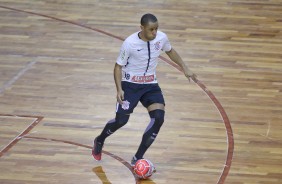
x=123 y=111
x=152 y=130
x=154 y=102
x=112 y=125
x=119 y=121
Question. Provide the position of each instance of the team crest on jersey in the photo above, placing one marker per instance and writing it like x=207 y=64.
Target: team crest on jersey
x=157 y=45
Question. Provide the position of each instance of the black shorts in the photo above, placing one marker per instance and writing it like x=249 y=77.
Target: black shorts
x=147 y=94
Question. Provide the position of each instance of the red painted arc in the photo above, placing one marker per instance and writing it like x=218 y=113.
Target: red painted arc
x=230 y=142
x=126 y=164
x=229 y=132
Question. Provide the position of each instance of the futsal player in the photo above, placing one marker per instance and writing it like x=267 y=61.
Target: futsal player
x=135 y=80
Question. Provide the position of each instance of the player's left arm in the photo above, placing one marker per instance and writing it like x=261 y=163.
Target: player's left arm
x=174 y=56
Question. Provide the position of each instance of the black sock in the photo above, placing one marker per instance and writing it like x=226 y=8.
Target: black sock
x=157 y=119
x=113 y=125
x=107 y=131
x=147 y=139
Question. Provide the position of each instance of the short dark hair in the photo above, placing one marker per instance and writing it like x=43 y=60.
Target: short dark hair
x=145 y=19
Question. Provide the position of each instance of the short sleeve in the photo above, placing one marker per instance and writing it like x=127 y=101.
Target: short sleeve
x=123 y=54
x=166 y=47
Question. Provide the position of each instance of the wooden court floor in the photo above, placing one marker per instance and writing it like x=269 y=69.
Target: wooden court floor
x=57 y=92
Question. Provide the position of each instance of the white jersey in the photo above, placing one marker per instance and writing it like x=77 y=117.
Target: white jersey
x=139 y=58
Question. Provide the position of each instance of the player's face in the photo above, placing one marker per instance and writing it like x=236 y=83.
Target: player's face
x=150 y=30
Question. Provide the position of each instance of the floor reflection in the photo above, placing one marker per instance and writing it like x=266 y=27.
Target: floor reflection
x=101 y=174
x=103 y=177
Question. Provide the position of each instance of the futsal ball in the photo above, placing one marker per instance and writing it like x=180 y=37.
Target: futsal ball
x=144 y=168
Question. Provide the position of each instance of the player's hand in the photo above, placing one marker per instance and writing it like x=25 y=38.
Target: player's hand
x=120 y=97
x=190 y=75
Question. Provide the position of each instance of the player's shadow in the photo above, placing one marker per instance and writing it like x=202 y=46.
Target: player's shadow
x=147 y=181
x=103 y=177
x=101 y=174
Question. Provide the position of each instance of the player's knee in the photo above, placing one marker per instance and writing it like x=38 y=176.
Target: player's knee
x=121 y=119
x=158 y=116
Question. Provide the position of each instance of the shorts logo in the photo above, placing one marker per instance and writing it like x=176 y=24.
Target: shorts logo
x=125 y=105
x=157 y=45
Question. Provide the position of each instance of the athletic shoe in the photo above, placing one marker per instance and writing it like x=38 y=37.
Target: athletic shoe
x=133 y=161
x=97 y=150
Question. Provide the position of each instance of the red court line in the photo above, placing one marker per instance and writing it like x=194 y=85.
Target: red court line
x=230 y=142
x=89 y=147
x=27 y=130
x=229 y=132
x=62 y=20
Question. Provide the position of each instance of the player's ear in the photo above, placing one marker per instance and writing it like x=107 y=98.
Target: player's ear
x=141 y=27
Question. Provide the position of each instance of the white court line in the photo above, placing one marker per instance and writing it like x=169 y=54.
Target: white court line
x=16 y=77
x=267 y=133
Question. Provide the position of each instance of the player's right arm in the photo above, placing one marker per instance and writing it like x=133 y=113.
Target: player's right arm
x=121 y=61
x=118 y=77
